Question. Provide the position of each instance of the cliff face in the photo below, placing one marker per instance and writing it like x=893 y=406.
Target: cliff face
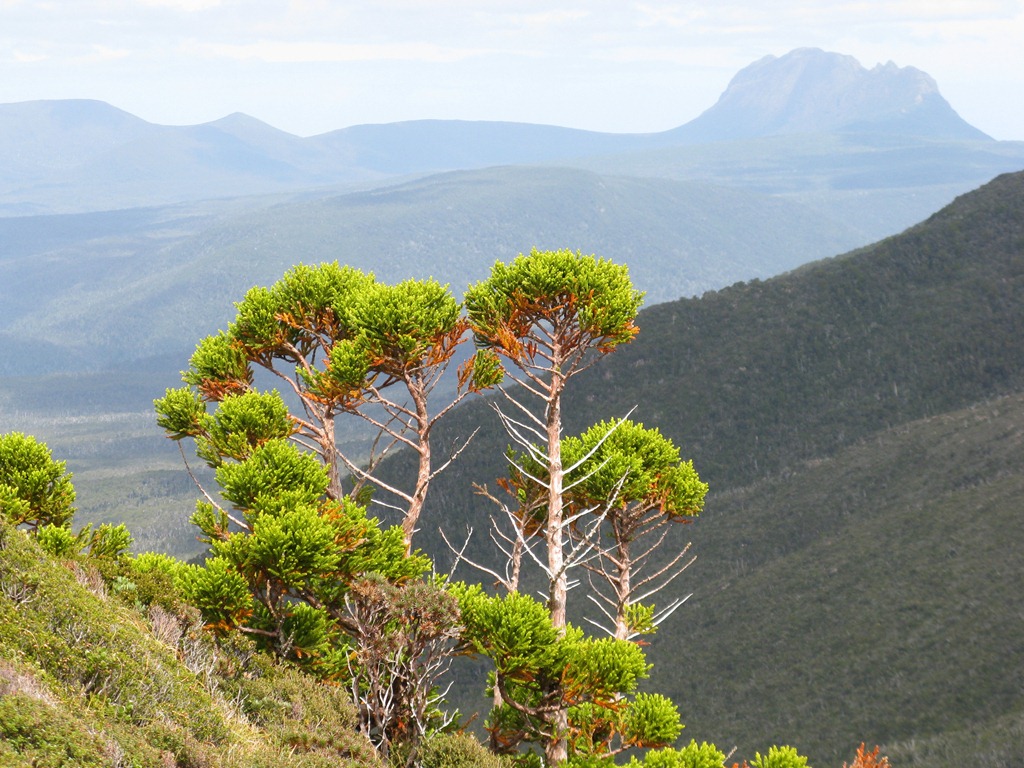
x=812 y=91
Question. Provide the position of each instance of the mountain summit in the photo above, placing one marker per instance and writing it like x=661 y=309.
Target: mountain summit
x=813 y=91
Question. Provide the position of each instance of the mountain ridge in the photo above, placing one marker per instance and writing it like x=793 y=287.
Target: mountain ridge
x=811 y=91
x=87 y=155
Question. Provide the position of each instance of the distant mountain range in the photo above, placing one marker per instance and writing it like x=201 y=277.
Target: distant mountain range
x=161 y=227
x=72 y=156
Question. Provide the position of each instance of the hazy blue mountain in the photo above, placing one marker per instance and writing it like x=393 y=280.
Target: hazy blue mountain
x=435 y=145
x=812 y=91
x=73 y=156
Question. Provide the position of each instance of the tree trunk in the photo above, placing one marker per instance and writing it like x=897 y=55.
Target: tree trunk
x=622 y=586
x=412 y=515
x=328 y=444
x=556 y=750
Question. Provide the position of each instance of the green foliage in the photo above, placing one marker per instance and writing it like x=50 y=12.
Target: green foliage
x=219 y=591
x=35 y=490
x=595 y=295
x=58 y=541
x=400 y=326
x=779 y=757
x=693 y=755
x=84 y=682
x=457 y=750
x=274 y=474
x=622 y=463
x=37 y=734
x=217 y=368
x=652 y=719
x=107 y=542
x=306 y=716
x=536 y=666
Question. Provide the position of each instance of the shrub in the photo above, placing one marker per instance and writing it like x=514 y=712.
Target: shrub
x=456 y=750
x=867 y=759
x=693 y=755
x=779 y=757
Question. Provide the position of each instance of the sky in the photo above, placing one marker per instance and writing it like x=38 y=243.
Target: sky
x=312 y=66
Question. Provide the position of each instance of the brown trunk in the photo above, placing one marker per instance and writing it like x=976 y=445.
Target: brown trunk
x=412 y=515
x=622 y=587
x=556 y=750
x=553 y=532
x=329 y=448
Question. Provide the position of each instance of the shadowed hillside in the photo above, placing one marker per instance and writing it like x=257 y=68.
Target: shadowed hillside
x=859 y=422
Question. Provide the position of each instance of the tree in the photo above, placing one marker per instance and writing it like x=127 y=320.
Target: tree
x=541 y=669
x=338 y=342
x=629 y=483
x=316 y=581
x=634 y=479
x=551 y=315
x=35 y=490
x=403 y=334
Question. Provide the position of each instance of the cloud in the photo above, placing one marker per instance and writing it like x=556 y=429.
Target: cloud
x=24 y=57
x=102 y=53
x=282 y=52
x=187 y=6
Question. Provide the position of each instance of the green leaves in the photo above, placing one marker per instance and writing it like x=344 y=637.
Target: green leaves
x=514 y=631
x=583 y=296
x=623 y=461
x=652 y=720
x=218 y=367
x=693 y=755
x=406 y=325
x=239 y=424
x=181 y=413
x=300 y=312
x=273 y=469
x=779 y=757
x=219 y=591
x=34 y=489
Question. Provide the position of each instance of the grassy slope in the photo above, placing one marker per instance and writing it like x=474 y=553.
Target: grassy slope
x=86 y=680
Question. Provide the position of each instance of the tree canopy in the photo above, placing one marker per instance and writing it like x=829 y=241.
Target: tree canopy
x=35 y=489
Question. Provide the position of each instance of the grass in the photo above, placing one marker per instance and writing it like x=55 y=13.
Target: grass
x=88 y=680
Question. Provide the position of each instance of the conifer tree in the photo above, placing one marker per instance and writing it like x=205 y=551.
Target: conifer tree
x=337 y=342
x=35 y=489
x=550 y=315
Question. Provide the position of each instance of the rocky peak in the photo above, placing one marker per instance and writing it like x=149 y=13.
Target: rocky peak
x=812 y=91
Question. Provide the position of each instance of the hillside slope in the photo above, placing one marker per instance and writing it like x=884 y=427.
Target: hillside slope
x=152 y=281
x=859 y=421
x=87 y=679
x=873 y=595
x=761 y=376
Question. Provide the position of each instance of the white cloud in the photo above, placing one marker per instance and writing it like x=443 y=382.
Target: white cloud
x=290 y=52
x=187 y=6
x=101 y=53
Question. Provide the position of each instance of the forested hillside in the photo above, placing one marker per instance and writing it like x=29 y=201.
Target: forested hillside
x=860 y=423
x=864 y=481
